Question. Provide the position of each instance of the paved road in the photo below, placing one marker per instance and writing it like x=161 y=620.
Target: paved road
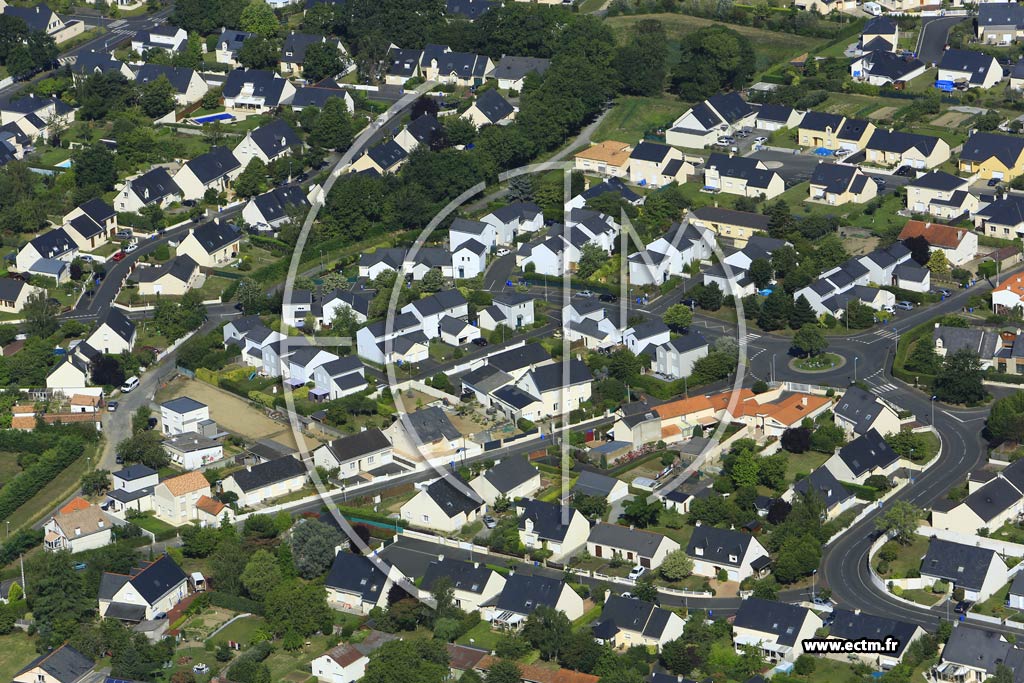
x=932 y=41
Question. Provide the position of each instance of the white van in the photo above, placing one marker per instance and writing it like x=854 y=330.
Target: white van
x=129 y=384
x=872 y=8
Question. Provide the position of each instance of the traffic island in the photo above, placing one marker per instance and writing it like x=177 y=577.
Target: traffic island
x=823 y=362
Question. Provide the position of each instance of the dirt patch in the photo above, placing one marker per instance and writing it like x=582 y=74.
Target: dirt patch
x=951 y=119
x=231 y=412
x=883 y=113
x=858 y=244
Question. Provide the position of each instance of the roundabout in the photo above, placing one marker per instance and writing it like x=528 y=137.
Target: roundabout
x=823 y=362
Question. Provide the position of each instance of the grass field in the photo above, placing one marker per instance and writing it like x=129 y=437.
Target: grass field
x=240 y=631
x=60 y=488
x=8 y=467
x=152 y=524
x=770 y=47
x=18 y=650
x=802 y=463
x=909 y=557
x=632 y=117
x=480 y=636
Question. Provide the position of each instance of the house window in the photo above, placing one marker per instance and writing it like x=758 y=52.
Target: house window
x=371 y=459
x=426 y=518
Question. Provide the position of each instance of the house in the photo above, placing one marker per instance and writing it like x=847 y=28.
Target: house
x=973 y=654
x=773 y=117
x=628 y=622
x=469 y=259
x=470 y=10
x=847 y=625
x=511 y=72
x=557 y=388
x=268 y=143
x=293 y=51
x=356 y=301
x=512 y=478
x=91 y=62
x=599 y=333
x=132 y=489
x=54 y=245
x=863 y=457
x=646 y=336
x=67 y=376
x=942 y=195
x=318 y=95
x=432 y=309
x=743 y=176
x=114 y=333
x=636 y=425
x=882 y=67
x=173 y=278
x=994 y=503
x=251 y=336
x=161 y=37
x=881 y=29
x=14 y=294
x=1008 y=295
x=654 y=165
x=254 y=91
x=489 y=108
x=776 y=629
x=447 y=504
x=838 y=184
x=820 y=130
x=63 y=665
x=600 y=485
x=958 y=245
x=668 y=255
x=338 y=378
x=1000 y=23
x=35 y=117
x=352 y=455
x=341 y=664
x=189 y=86
x=424 y=130
x=404 y=343
x=609 y=158
x=211 y=244
x=644 y=548
x=257 y=484
x=192 y=450
x=211 y=171
x=675 y=358
x=976 y=69
x=821 y=483
x=511 y=309
x=473 y=584
x=229 y=43
x=771 y=414
x=718 y=115
x=91 y=224
x=859 y=412
x=147 y=590
x=296 y=307
x=154 y=187
x=174 y=499
x=401 y=65
x=991 y=156
x=85 y=528
x=182 y=415
x=356 y=583
x=896 y=148
x=524 y=593
x=385 y=157
x=440 y=63
x=979 y=571
x=1002 y=217
x=519 y=361
x=1015 y=598
x=736 y=553
x=541 y=525
x=736 y=226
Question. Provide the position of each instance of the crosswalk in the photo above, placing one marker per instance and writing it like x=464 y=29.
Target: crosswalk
x=886 y=333
x=879 y=385
x=750 y=336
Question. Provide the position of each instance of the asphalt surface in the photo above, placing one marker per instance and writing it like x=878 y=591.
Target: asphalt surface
x=932 y=41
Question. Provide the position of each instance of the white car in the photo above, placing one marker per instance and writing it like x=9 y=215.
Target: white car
x=130 y=248
x=637 y=572
x=200 y=669
x=503 y=251
x=760 y=139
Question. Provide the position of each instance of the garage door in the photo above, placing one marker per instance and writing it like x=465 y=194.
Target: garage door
x=998 y=175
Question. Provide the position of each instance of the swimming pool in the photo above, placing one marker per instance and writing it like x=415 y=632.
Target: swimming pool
x=210 y=118
x=64 y=164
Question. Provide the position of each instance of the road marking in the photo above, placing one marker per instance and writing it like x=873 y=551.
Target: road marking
x=750 y=336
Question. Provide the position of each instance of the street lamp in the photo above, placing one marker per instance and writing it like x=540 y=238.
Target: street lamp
x=855 y=358
x=933 y=408
x=814 y=575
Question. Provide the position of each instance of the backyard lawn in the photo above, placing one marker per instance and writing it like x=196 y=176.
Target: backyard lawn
x=908 y=558
x=480 y=636
x=633 y=117
x=18 y=650
x=152 y=524
x=240 y=631
x=802 y=463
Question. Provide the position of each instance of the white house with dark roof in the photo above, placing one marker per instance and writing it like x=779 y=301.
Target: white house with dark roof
x=173 y=278
x=891 y=148
x=267 y=143
x=257 y=484
x=942 y=195
x=211 y=171
x=838 y=184
x=254 y=91
x=338 y=378
x=355 y=584
x=362 y=452
x=182 y=415
x=776 y=629
x=440 y=63
x=669 y=254
x=473 y=584
x=718 y=115
x=189 y=86
x=161 y=37
x=863 y=457
x=114 y=333
x=524 y=593
x=490 y=108
x=976 y=69
x=646 y=336
x=512 y=477
x=211 y=244
x=855 y=625
x=430 y=310
x=636 y=546
x=229 y=43
x=147 y=590
x=883 y=67
x=675 y=358
x=293 y=51
x=15 y=293
x=739 y=554
x=192 y=450
x=836 y=498
x=404 y=343
x=446 y=504
x=514 y=219
x=558 y=389
x=423 y=130
x=469 y=259
x=989 y=506
x=401 y=65
x=53 y=245
x=462 y=230
x=62 y=665
x=743 y=176
x=511 y=309
x=386 y=157
x=274 y=208
x=858 y=412
x=511 y=72
x=628 y=622
x=979 y=571
x=654 y=165
x=595 y=484
x=541 y=526
x=427 y=433
x=357 y=301
x=154 y=187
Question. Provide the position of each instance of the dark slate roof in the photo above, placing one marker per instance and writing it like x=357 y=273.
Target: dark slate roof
x=730 y=106
x=466 y=576
x=513 y=68
x=119 y=323
x=717 y=545
x=705 y=116
x=716 y=214
x=352 y=573
x=644 y=543
x=819 y=120
x=492 y=105
x=976 y=647
x=848 y=625
x=295 y=45
x=267 y=473
x=824 y=484
x=315 y=96
x=359 y=444
x=182 y=405
x=403 y=62
x=37 y=17
x=95 y=62
x=882 y=62
x=213 y=236
x=519 y=358
x=634 y=615
x=134 y=472
x=938 y=180
x=275 y=137
x=546 y=518
x=98 y=210
x=963 y=565
x=154 y=580
x=837 y=178
x=450 y=498
x=650 y=151
x=551 y=376
x=275 y=204
x=741 y=167
x=767 y=616
x=859 y=407
x=523 y=593
x=468 y=9
x=65 y=664
x=976 y=340
x=774 y=112
x=982 y=146
x=155 y=184
x=853 y=129
x=1000 y=14
x=900 y=142
x=687 y=342
x=462 y=64
x=992 y=499
x=265 y=84
x=10 y=289
x=53 y=243
x=867 y=452
x=1006 y=211
x=232 y=40
x=424 y=128
x=358 y=301
x=510 y=473
x=615 y=185
x=594 y=484
x=180 y=268
x=975 y=64
x=216 y=163
x=387 y=154
x=178 y=76
x=882 y=26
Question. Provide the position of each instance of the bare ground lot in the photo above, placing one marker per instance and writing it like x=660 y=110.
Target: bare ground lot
x=231 y=412
x=951 y=119
x=883 y=113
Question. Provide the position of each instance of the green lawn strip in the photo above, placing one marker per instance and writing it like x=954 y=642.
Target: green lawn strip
x=589 y=617
x=908 y=558
x=828 y=671
x=283 y=662
x=633 y=117
x=480 y=636
x=995 y=606
x=803 y=463
x=152 y=524
x=18 y=650
x=680 y=536
x=240 y=631
x=921 y=597
x=60 y=488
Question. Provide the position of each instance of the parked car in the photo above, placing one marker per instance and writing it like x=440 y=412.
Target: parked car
x=119 y=459
x=480 y=341
x=992 y=182
x=585 y=294
x=151 y=424
x=637 y=572
x=112 y=406
x=943 y=292
x=200 y=669
x=503 y=251
x=689 y=303
x=130 y=248
x=490 y=522
x=888 y=308
x=119 y=256
x=905 y=171
x=760 y=140
x=963 y=607
x=608 y=298
x=904 y=305
x=726 y=140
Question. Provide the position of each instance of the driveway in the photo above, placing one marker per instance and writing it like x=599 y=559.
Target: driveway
x=793 y=166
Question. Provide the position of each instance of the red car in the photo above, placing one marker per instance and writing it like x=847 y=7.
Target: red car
x=119 y=256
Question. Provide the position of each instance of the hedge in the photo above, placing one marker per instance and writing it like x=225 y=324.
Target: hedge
x=906 y=341
x=994 y=376
x=18 y=544
x=30 y=481
x=862 y=492
x=236 y=603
